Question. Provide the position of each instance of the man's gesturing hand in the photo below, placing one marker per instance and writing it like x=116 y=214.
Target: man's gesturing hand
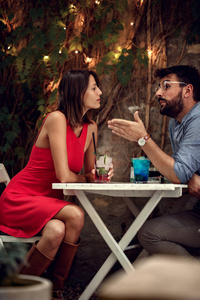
x=129 y=130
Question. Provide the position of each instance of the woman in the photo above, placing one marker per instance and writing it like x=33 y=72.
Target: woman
x=29 y=205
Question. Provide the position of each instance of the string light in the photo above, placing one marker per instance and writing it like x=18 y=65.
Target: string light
x=60 y=51
x=76 y=51
x=65 y=28
x=88 y=60
x=72 y=8
x=46 y=58
x=132 y=23
x=97 y=2
x=9 y=47
x=149 y=53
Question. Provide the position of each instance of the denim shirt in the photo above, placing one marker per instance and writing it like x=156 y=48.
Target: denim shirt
x=185 y=140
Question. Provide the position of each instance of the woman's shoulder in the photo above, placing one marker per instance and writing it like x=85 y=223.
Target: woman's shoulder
x=56 y=116
x=55 y=119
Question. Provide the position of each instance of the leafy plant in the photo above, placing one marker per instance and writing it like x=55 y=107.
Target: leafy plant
x=10 y=259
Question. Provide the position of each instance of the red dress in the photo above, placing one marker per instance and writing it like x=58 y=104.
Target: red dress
x=29 y=202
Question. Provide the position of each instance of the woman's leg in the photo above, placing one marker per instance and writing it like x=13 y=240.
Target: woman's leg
x=57 y=247
x=66 y=225
x=73 y=218
x=52 y=236
x=170 y=233
x=42 y=253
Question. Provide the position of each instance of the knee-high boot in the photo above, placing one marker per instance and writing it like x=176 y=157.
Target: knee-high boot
x=37 y=262
x=58 y=271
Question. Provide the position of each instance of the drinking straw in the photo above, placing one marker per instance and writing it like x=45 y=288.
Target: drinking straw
x=94 y=143
x=95 y=150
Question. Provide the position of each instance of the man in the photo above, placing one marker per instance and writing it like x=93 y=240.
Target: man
x=178 y=95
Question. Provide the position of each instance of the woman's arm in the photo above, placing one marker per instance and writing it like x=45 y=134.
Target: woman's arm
x=56 y=130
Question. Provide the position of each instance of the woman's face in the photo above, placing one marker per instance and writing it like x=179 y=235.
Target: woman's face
x=91 y=99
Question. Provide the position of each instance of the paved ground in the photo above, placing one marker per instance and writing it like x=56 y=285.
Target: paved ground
x=73 y=291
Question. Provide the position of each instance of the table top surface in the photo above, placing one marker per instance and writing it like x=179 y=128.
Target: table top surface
x=118 y=186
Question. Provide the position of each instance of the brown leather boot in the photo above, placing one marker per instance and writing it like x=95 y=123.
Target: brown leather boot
x=37 y=262
x=58 y=271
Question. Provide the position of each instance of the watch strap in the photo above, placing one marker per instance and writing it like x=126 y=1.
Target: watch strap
x=146 y=137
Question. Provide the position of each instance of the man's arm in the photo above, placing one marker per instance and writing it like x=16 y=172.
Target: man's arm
x=132 y=131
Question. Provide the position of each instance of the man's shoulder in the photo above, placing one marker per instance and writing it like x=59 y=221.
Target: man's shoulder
x=195 y=109
x=193 y=115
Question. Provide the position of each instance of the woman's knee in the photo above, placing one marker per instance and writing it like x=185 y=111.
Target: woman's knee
x=76 y=218
x=54 y=232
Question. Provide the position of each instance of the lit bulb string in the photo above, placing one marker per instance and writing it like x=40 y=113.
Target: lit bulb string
x=89 y=59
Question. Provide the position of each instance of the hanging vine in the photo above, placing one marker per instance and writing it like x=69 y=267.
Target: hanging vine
x=42 y=39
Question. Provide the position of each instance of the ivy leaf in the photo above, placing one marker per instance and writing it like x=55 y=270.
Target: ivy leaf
x=142 y=56
x=99 y=68
x=105 y=58
x=121 y=5
x=119 y=26
x=34 y=14
x=64 y=56
x=85 y=45
x=52 y=98
x=10 y=136
x=41 y=102
x=61 y=24
x=19 y=152
x=79 y=47
x=124 y=79
x=41 y=108
x=72 y=46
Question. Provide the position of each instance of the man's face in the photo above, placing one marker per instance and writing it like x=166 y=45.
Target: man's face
x=169 y=96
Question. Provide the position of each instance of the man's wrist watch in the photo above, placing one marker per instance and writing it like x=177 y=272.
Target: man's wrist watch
x=142 y=141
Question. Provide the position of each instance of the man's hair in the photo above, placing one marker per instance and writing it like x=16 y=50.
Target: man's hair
x=72 y=88
x=184 y=73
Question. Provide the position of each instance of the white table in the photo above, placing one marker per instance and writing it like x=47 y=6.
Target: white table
x=155 y=192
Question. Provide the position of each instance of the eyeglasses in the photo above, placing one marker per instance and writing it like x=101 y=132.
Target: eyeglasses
x=166 y=85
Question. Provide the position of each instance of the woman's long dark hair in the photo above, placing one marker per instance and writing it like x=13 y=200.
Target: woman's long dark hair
x=72 y=89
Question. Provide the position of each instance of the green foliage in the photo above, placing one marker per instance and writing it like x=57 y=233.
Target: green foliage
x=10 y=259
x=38 y=44
x=125 y=66
x=122 y=63
x=194 y=32
x=35 y=51
x=110 y=34
x=142 y=56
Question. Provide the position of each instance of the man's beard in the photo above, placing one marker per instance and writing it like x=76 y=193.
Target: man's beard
x=172 y=108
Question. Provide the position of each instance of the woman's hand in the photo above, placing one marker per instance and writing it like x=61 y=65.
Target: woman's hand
x=91 y=175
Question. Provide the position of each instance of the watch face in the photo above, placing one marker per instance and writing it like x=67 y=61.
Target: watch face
x=141 y=142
